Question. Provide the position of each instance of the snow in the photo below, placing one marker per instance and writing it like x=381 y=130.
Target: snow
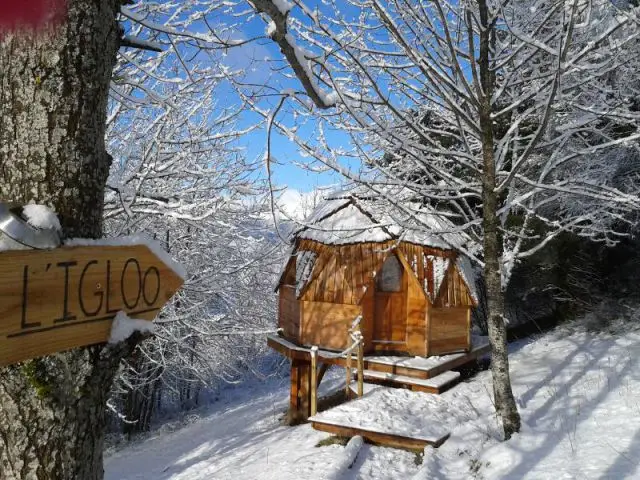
x=438 y=381
x=347 y=225
x=440 y=266
x=271 y=29
x=283 y=5
x=394 y=411
x=242 y=437
x=41 y=216
x=427 y=363
x=465 y=267
x=305 y=261
x=348 y=457
x=578 y=393
x=354 y=216
x=123 y=327
x=302 y=56
x=138 y=239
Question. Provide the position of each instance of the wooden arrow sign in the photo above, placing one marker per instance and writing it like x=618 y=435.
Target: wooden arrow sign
x=54 y=300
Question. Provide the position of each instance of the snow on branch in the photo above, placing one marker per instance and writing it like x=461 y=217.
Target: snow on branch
x=298 y=58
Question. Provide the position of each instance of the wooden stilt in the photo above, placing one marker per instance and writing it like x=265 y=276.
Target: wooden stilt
x=299 y=407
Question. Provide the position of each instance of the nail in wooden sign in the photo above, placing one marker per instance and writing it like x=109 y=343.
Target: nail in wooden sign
x=55 y=300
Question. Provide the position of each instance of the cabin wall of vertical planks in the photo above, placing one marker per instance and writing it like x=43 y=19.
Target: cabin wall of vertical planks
x=423 y=318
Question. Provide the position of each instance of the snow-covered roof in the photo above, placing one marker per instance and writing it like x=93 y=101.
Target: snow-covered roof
x=356 y=216
x=465 y=267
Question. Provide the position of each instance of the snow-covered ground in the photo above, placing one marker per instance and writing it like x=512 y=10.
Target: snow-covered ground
x=578 y=393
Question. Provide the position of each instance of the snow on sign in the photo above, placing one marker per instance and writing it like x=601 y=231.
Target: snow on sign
x=54 y=300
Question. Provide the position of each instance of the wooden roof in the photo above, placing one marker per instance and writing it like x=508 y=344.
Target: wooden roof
x=342 y=273
x=357 y=216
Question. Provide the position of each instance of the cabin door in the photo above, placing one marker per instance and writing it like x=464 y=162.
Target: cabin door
x=390 y=318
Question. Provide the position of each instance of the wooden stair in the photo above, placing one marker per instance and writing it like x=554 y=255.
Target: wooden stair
x=437 y=384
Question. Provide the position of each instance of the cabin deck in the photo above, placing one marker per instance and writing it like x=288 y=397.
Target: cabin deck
x=411 y=425
x=402 y=366
x=417 y=374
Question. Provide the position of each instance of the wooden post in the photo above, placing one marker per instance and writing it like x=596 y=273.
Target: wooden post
x=360 y=367
x=299 y=399
x=349 y=374
x=314 y=380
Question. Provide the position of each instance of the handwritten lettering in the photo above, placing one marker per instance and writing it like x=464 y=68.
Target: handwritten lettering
x=66 y=315
x=139 y=282
x=25 y=283
x=88 y=291
x=99 y=294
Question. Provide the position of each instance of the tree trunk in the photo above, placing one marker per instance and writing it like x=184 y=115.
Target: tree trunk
x=53 y=99
x=503 y=396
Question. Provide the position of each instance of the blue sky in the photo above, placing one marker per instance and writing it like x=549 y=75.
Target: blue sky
x=286 y=173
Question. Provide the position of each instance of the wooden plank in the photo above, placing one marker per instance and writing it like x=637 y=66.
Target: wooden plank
x=415 y=327
x=310 y=290
x=435 y=385
x=350 y=283
x=297 y=352
x=378 y=438
x=368 y=312
x=329 y=281
x=293 y=392
x=348 y=373
x=56 y=300
x=325 y=324
x=462 y=360
x=283 y=347
x=289 y=312
x=395 y=369
x=448 y=330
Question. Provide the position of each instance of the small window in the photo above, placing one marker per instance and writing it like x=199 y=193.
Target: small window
x=390 y=277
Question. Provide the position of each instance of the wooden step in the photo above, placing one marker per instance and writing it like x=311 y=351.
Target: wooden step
x=437 y=384
x=426 y=367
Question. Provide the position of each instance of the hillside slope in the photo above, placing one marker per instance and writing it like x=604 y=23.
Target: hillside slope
x=578 y=393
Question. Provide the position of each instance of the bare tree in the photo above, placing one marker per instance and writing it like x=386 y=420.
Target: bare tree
x=181 y=174
x=504 y=114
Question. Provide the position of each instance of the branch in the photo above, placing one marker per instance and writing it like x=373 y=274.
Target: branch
x=294 y=55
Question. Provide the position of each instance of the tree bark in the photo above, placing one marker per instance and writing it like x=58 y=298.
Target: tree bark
x=53 y=97
x=503 y=396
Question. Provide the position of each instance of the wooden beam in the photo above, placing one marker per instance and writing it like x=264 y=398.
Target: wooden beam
x=378 y=438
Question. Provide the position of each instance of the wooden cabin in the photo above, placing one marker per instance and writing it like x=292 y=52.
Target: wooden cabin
x=401 y=272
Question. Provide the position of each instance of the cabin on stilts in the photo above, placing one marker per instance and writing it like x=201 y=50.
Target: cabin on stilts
x=397 y=267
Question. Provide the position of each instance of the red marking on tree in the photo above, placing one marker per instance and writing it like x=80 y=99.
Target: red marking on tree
x=31 y=14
